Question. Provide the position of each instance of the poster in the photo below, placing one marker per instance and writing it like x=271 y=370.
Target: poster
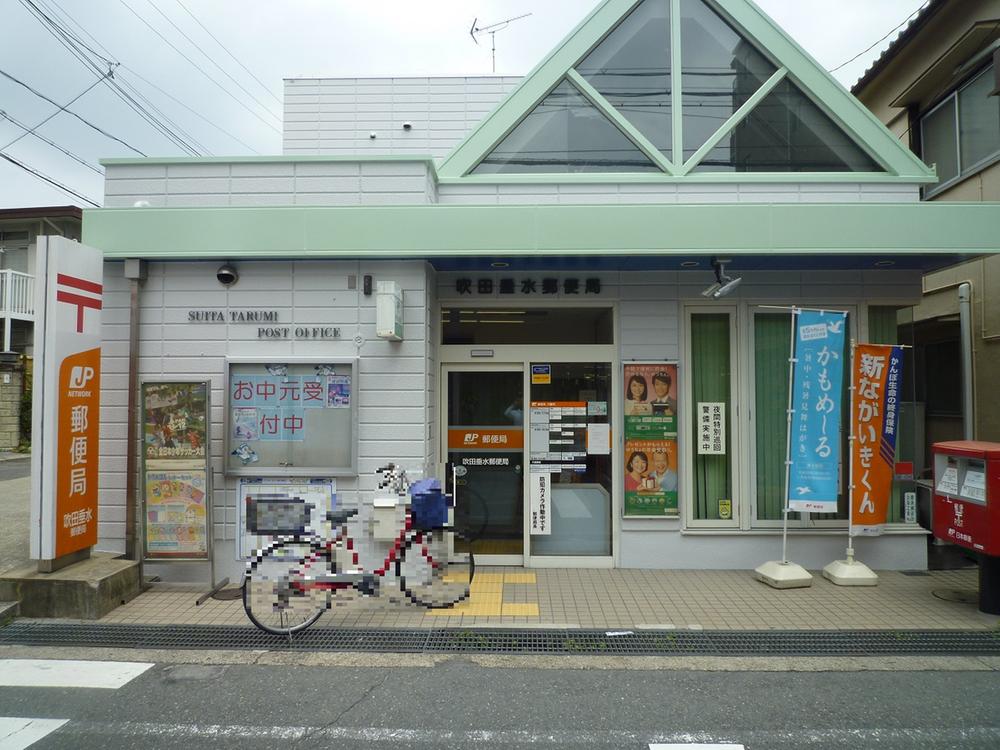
x=650 y=460
x=541 y=501
x=877 y=378
x=817 y=386
x=338 y=391
x=711 y=428
x=174 y=420
x=176 y=514
x=651 y=477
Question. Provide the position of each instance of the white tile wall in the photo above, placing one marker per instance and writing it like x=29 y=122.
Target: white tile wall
x=394 y=376
x=336 y=116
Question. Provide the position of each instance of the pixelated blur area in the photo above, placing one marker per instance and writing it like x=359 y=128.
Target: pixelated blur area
x=431 y=573
x=278 y=515
x=280 y=595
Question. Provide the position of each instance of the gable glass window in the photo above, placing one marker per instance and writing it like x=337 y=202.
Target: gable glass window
x=631 y=69
x=962 y=134
x=565 y=133
x=720 y=71
x=787 y=132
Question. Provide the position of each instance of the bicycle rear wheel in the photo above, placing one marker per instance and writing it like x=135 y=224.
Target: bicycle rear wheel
x=279 y=595
x=432 y=572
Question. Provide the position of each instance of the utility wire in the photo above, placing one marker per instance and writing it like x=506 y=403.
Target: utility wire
x=65 y=15
x=249 y=72
x=893 y=31
x=61 y=108
x=65 y=37
x=55 y=145
x=71 y=112
x=181 y=31
x=199 y=68
x=48 y=179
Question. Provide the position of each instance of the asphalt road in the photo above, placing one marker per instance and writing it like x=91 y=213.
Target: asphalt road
x=15 y=496
x=459 y=704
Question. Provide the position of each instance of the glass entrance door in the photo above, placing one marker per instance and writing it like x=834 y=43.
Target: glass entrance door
x=485 y=439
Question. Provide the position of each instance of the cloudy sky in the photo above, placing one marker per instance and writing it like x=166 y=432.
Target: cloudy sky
x=214 y=68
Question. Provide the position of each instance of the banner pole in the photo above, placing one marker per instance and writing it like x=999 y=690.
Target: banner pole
x=850 y=465
x=789 y=411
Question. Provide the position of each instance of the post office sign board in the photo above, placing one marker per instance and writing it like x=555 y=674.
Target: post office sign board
x=69 y=293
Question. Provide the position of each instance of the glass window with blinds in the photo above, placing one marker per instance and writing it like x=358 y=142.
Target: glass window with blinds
x=711 y=368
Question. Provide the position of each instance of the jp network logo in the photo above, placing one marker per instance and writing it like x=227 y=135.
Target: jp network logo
x=80 y=376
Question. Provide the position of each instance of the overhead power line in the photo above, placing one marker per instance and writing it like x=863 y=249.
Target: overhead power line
x=67 y=17
x=83 y=53
x=61 y=108
x=199 y=68
x=893 y=31
x=235 y=59
x=46 y=178
x=88 y=123
x=52 y=143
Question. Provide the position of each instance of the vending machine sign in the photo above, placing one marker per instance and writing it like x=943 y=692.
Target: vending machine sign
x=66 y=411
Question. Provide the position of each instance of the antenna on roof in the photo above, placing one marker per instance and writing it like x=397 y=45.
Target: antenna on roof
x=492 y=30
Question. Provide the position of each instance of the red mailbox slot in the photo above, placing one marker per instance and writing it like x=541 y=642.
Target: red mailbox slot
x=967 y=508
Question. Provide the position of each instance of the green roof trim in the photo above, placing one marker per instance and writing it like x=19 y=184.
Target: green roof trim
x=435 y=231
x=848 y=113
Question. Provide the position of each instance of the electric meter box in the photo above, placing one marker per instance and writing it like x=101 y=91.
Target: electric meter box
x=389 y=311
x=967 y=508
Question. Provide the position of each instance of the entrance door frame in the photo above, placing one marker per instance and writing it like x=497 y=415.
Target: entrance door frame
x=517 y=356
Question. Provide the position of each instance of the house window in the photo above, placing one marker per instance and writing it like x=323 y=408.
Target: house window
x=962 y=134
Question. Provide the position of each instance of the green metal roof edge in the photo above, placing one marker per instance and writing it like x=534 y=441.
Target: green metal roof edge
x=531 y=230
x=837 y=101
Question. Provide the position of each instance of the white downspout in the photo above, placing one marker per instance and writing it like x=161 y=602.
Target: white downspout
x=965 y=327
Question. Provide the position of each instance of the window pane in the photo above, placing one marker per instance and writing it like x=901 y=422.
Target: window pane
x=939 y=141
x=720 y=70
x=786 y=132
x=565 y=133
x=772 y=344
x=979 y=120
x=631 y=69
x=710 y=374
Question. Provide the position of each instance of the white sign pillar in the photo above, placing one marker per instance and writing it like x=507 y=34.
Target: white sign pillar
x=69 y=295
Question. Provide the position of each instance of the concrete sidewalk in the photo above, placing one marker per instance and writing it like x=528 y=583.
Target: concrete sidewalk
x=623 y=599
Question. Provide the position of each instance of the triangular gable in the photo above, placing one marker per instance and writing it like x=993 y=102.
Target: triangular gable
x=862 y=145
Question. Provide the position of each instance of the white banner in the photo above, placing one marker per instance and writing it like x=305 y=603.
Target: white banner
x=541 y=503
x=69 y=295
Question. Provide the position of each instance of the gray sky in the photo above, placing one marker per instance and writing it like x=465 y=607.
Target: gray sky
x=285 y=39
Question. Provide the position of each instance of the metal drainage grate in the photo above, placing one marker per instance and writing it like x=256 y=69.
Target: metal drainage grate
x=504 y=641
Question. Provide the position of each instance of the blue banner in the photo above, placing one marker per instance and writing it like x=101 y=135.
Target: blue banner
x=817 y=388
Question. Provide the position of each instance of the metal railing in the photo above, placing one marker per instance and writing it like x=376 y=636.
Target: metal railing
x=17 y=294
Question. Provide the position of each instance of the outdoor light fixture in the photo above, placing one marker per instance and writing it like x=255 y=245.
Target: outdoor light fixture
x=724 y=283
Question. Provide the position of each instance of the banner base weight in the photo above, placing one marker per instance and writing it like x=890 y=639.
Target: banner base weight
x=783 y=575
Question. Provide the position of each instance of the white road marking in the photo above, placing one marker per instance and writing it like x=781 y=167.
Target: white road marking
x=18 y=733
x=691 y=744
x=109 y=675
x=916 y=737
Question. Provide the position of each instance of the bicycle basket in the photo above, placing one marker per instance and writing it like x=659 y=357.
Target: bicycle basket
x=278 y=515
x=428 y=505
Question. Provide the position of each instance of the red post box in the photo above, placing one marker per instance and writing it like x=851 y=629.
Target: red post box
x=967 y=508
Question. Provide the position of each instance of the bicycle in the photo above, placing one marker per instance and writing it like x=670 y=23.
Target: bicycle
x=290 y=582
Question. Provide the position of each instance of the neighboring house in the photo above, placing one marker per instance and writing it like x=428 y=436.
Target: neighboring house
x=19 y=227
x=542 y=241
x=936 y=88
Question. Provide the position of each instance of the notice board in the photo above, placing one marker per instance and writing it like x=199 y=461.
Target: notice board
x=296 y=418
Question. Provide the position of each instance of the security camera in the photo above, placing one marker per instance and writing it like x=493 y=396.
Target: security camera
x=407 y=126
x=227 y=275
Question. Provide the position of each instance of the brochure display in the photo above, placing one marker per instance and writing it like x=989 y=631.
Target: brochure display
x=176 y=513
x=650 y=458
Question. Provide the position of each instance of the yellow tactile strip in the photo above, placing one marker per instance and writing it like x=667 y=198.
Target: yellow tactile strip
x=486 y=598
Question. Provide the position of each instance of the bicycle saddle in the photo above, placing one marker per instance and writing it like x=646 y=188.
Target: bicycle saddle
x=337 y=517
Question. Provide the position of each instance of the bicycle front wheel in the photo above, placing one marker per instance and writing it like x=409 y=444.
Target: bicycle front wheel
x=280 y=595
x=432 y=572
